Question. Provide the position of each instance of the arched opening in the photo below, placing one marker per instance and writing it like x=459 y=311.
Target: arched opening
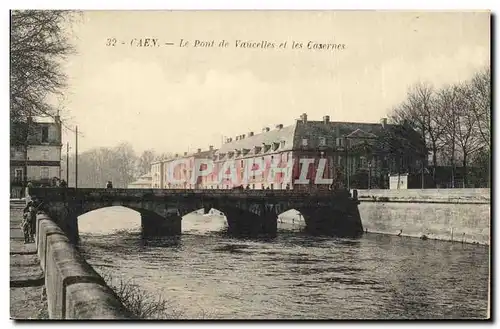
x=203 y=221
x=109 y=220
x=291 y=220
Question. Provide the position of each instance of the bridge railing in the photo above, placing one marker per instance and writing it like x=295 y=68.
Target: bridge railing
x=56 y=192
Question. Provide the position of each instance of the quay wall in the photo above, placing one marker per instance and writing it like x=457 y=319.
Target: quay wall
x=462 y=215
x=74 y=289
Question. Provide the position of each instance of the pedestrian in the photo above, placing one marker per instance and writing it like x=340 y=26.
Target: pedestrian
x=109 y=184
x=32 y=221
x=26 y=227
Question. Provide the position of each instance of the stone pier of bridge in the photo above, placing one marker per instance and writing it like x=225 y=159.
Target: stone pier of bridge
x=248 y=212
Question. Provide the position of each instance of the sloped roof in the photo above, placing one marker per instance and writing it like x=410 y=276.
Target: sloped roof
x=273 y=136
x=359 y=133
x=43 y=119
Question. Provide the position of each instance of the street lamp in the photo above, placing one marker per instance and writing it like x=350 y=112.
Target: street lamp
x=369 y=174
x=347 y=164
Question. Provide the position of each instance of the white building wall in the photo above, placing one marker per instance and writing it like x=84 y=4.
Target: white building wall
x=156 y=175
x=39 y=172
x=44 y=153
x=16 y=153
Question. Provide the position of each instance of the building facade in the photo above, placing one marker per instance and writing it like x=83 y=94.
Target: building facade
x=176 y=172
x=145 y=181
x=308 y=155
x=38 y=159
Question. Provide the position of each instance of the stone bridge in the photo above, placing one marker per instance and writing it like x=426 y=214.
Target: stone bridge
x=248 y=212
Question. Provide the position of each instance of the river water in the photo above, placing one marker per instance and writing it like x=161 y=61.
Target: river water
x=206 y=275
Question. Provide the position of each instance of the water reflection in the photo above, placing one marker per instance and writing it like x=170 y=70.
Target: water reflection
x=295 y=276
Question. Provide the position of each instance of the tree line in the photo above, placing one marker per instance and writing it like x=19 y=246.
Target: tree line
x=455 y=123
x=120 y=164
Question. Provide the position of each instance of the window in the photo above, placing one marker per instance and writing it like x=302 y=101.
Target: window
x=322 y=141
x=364 y=162
x=339 y=142
x=304 y=141
x=283 y=144
x=18 y=173
x=45 y=154
x=45 y=134
x=253 y=186
x=44 y=172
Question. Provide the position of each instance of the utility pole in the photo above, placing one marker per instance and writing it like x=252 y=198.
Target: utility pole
x=369 y=175
x=347 y=171
x=423 y=177
x=67 y=163
x=76 y=157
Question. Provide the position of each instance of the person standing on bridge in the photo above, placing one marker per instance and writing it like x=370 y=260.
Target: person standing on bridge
x=25 y=225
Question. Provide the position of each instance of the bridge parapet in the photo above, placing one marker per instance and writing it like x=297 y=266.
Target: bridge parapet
x=257 y=209
x=92 y=194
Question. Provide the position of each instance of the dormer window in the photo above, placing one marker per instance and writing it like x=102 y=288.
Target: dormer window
x=275 y=146
x=304 y=141
x=245 y=151
x=257 y=149
x=322 y=141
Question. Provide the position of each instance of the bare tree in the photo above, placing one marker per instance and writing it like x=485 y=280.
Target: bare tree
x=420 y=112
x=450 y=103
x=39 y=42
x=478 y=94
x=144 y=161
x=125 y=162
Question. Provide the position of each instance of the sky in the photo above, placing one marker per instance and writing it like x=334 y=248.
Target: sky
x=176 y=99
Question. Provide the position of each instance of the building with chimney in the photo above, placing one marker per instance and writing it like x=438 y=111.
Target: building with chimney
x=36 y=157
x=307 y=155
x=166 y=174
x=352 y=153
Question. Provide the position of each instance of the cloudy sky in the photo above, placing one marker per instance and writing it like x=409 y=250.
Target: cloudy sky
x=176 y=99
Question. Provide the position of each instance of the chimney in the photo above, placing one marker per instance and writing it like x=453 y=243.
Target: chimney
x=279 y=126
x=176 y=155
x=237 y=137
x=199 y=150
x=185 y=153
x=265 y=129
x=383 y=122
x=303 y=117
x=243 y=136
x=250 y=134
x=326 y=119
x=211 y=147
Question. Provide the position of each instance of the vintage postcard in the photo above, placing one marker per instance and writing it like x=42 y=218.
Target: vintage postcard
x=250 y=165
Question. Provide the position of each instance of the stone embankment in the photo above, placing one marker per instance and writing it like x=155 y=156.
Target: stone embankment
x=74 y=289
x=461 y=215
x=26 y=277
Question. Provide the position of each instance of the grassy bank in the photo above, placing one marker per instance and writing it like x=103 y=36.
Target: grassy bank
x=142 y=304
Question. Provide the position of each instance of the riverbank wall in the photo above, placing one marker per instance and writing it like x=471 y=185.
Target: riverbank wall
x=74 y=290
x=461 y=215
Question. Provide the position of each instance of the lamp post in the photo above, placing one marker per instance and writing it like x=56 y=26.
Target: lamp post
x=369 y=174
x=76 y=157
x=347 y=164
